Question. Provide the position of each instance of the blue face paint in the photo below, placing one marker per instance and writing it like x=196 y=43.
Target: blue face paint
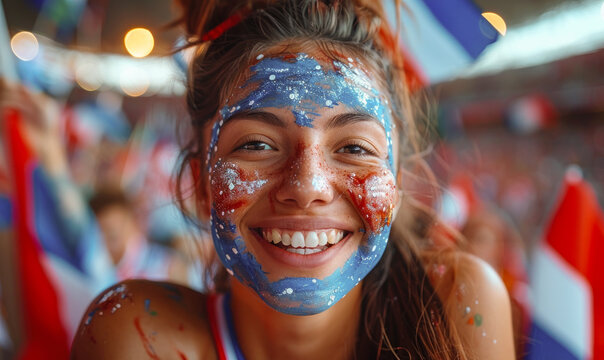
x=295 y=295
x=304 y=86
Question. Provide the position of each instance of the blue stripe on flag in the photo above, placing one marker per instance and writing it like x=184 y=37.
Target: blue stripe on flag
x=52 y=236
x=6 y=212
x=544 y=347
x=464 y=21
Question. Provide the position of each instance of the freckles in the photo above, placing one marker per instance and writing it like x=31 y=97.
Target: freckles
x=233 y=187
x=373 y=194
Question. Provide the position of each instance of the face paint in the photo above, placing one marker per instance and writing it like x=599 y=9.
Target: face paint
x=303 y=85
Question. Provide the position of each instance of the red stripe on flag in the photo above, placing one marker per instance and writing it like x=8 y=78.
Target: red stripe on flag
x=576 y=232
x=45 y=334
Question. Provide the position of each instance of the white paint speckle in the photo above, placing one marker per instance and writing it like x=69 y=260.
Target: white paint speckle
x=292 y=96
x=259 y=57
x=234 y=251
x=230 y=272
x=228 y=257
x=318 y=67
x=231 y=186
x=251 y=102
x=272 y=77
x=328 y=102
x=373 y=248
x=314 y=281
x=289 y=291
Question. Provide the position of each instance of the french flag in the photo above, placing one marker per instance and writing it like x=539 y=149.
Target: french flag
x=440 y=37
x=57 y=277
x=568 y=278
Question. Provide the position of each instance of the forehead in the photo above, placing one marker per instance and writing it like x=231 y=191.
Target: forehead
x=306 y=84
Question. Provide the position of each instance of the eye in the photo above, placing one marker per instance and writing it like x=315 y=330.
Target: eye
x=355 y=149
x=255 y=145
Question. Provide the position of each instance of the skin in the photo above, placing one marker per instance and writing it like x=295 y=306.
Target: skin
x=271 y=145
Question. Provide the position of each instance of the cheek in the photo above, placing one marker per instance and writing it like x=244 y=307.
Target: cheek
x=373 y=193
x=233 y=187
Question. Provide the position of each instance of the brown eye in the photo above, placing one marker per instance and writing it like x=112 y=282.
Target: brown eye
x=255 y=146
x=354 y=149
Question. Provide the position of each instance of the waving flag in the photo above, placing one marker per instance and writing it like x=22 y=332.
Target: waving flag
x=45 y=335
x=59 y=267
x=441 y=37
x=568 y=279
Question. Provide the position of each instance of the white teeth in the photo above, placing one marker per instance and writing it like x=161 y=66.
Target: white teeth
x=322 y=239
x=312 y=240
x=301 y=242
x=286 y=239
x=276 y=236
x=303 y=251
x=331 y=236
x=298 y=240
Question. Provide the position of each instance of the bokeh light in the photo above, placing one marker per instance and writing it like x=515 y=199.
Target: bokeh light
x=134 y=81
x=497 y=22
x=87 y=75
x=25 y=45
x=139 y=42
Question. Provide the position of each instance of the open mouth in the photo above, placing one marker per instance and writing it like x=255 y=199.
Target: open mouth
x=302 y=242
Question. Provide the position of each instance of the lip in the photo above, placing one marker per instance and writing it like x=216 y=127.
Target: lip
x=298 y=261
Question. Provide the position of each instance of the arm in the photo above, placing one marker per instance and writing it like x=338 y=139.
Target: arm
x=478 y=306
x=140 y=319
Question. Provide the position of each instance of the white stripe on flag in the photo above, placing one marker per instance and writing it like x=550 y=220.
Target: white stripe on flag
x=562 y=302
x=439 y=54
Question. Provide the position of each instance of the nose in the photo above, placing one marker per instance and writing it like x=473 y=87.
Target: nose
x=306 y=181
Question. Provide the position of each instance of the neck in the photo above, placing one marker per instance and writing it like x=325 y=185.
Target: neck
x=264 y=333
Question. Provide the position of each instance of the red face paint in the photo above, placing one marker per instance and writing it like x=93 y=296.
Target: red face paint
x=146 y=343
x=373 y=192
x=232 y=187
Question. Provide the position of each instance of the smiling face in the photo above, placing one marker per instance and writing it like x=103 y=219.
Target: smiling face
x=301 y=180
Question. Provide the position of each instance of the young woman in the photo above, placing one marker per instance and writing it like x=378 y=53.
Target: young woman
x=303 y=134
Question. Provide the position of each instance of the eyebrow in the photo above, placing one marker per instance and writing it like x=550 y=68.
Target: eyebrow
x=262 y=116
x=337 y=121
x=342 y=120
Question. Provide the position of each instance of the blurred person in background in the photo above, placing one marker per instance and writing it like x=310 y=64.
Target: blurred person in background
x=131 y=252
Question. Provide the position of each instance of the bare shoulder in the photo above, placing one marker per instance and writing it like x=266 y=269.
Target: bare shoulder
x=477 y=303
x=145 y=319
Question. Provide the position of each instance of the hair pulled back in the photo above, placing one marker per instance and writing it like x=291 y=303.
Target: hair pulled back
x=402 y=316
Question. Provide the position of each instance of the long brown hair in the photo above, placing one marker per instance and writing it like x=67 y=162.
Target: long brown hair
x=403 y=318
